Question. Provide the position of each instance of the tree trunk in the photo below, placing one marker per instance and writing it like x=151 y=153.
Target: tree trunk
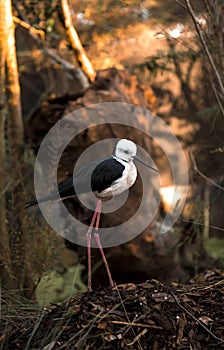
x=76 y=43
x=4 y=242
x=18 y=233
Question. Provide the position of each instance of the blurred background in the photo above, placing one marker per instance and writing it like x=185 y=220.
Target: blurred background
x=166 y=56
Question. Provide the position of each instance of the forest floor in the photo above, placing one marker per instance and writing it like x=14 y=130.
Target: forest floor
x=144 y=316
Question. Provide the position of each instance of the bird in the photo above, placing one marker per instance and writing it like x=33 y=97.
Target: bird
x=106 y=178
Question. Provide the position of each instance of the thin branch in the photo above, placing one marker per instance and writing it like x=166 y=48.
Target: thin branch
x=126 y=314
x=181 y=4
x=201 y=174
x=76 y=44
x=201 y=224
x=195 y=318
x=75 y=71
x=136 y=324
x=214 y=285
x=217 y=97
x=31 y=29
x=202 y=288
x=136 y=339
x=199 y=32
x=208 y=8
x=179 y=40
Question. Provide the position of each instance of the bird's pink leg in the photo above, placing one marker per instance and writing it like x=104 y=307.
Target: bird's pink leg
x=97 y=238
x=88 y=240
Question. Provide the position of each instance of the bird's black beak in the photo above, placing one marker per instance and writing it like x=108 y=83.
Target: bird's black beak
x=146 y=164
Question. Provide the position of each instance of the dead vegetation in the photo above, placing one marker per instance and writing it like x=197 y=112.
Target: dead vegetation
x=149 y=315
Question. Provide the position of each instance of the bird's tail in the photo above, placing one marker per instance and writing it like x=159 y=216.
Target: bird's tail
x=31 y=203
x=41 y=200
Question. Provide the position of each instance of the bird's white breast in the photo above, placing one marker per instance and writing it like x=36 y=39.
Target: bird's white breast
x=124 y=182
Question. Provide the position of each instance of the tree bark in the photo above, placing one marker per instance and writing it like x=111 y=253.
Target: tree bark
x=4 y=242
x=76 y=44
x=15 y=139
x=18 y=237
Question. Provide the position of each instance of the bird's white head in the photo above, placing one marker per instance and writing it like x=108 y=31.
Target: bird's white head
x=125 y=150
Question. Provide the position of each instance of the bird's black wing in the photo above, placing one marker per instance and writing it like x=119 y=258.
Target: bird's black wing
x=105 y=173
x=84 y=181
x=81 y=182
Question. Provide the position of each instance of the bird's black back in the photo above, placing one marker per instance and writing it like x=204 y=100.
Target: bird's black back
x=105 y=174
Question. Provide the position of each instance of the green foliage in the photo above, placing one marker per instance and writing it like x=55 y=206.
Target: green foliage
x=215 y=247
x=57 y=286
x=211 y=113
x=38 y=12
x=218 y=150
x=49 y=24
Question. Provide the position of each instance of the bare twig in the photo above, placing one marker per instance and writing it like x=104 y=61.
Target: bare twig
x=138 y=337
x=207 y=8
x=76 y=44
x=214 y=285
x=204 y=44
x=202 y=288
x=217 y=96
x=32 y=30
x=201 y=224
x=126 y=314
x=181 y=4
x=201 y=174
x=136 y=324
x=196 y=319
x=179 y=41
x=75 y=71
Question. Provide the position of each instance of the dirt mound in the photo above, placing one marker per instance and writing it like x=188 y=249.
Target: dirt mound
x=145 y=316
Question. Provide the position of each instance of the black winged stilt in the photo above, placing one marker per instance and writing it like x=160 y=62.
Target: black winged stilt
x=108 y=177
